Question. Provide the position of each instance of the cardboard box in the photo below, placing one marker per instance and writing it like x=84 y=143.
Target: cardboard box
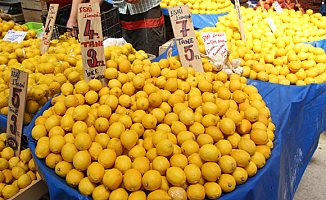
x=18 y=17
x=33 y=15
x=34 y=4
x=35 y=190
x=165 y=46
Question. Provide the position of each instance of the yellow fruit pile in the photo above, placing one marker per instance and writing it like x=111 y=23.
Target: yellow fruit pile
x=158 y=130
x=279 y=57
x=16 y=173
x=201 y=6
x=46 y=72
x=10 y=25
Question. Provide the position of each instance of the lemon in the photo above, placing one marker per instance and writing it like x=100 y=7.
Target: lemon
x=164 y=147
x=177 y=193
x=251 y=169
x=85 y=186
x=123 y=163
x=112 y=179
x=62 y=168
x=119 y=193
x=56 y=143
x=141 y=164
x=227 y=182
x=259 y=159
x=81 y=160
x=132 y=180
x=100 y=192
x=193 y=173
x=213 y=190
x=68 y=152
x=24 y=180
x=176 y=176
x=160 y=164
x=265 y=150
x=149 y=121
x=9 y=191
x=39 y=131
x=196 y=191
x=227 y=126
x=17 y=172
x=95 y=172
x=211 y=171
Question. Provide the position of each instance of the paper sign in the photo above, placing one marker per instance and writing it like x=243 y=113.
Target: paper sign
x=47 y=35
x=16 y=108
x=185 y=37
x=271 y=24
x=242 y=31
x=277 y=7
x=215 y=43
x=91 y=40
x=15 y=36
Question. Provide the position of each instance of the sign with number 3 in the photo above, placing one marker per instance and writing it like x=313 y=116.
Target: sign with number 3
x=91 y=40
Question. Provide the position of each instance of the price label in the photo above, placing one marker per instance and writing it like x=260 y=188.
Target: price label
x=185 y=37
x=16 y=108
x=277 y=7
x=271 y=24
x=91 y=40
x=215 y=43
x=15 y=36
x=48 y=30
x=242 y=31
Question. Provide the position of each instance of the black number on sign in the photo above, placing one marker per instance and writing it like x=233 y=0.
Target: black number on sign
x=184 y=27
x=92 y=62
x=188 y=48
x=47 y=29
x=13 y=127
x=15 y=100
x=88 y=32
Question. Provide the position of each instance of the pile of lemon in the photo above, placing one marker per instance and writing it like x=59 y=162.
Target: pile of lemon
x=278 y=57
x=201 y=6
x=10 y=25
x=46 y=72
x=158 y=131
x=16 y=173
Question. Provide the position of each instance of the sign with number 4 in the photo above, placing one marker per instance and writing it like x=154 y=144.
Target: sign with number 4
x=91 y=40
x=50 y=20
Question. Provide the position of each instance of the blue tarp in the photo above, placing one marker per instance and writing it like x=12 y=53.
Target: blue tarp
x=296 y=111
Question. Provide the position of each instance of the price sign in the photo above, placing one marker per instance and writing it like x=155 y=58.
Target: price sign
x=242 y=31
x=16 y=108
x=185 y=37
x=91 y=40
x=15 y=36
x=271 y=24
x=215 y=43
x=277 y=7
x=50 y=20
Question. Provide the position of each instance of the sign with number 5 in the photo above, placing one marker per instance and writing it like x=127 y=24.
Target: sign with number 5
x=16 y=108
x=91 y=40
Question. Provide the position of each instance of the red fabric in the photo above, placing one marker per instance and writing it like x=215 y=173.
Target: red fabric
x=146 y=23
x=61 y=2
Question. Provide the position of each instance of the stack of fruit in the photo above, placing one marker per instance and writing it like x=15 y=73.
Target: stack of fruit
x=10 y=25
x=201 y=6
x=16 y=173
x=159 y=130
x=278 y=57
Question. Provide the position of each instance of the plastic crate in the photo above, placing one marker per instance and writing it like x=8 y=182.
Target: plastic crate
x=110 y=21
x=38 y=27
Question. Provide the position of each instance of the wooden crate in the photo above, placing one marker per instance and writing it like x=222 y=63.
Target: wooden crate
x=35 y=190
x=33 y=9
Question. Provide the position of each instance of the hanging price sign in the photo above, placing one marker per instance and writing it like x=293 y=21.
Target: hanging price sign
x=271 y=24
x=185 y=37
x=277 y=7
x=48 y=30
x=91 y=40
x=16 y=108
x=242 y=31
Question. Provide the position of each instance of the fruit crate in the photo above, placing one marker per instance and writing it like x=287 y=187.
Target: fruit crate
x=110 y=21
x=38 y=27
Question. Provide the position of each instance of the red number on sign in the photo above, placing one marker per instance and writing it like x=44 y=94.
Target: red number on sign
x=92 y=62
x=88 y=32
x=47 y=29
x=184 y=27
x=13 y=128
x=15 y=95
x=188 y=48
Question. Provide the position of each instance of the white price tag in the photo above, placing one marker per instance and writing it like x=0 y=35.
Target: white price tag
x=271 y=24
x=277 y=7
x=215 y=43
x=15 y=36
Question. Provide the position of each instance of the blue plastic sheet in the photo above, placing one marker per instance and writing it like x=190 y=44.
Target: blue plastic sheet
x=296 y=111
x=201 y=21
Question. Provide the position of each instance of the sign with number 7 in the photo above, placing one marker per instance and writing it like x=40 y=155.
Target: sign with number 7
x=185 y=37
x=91 y=40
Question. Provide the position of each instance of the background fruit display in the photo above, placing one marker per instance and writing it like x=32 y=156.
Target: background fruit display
x=278 y=57
x=46 y=72
x=201 y=6
x=158 y=130
x=10 y=25
x=285 y=4
x=16 y=173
